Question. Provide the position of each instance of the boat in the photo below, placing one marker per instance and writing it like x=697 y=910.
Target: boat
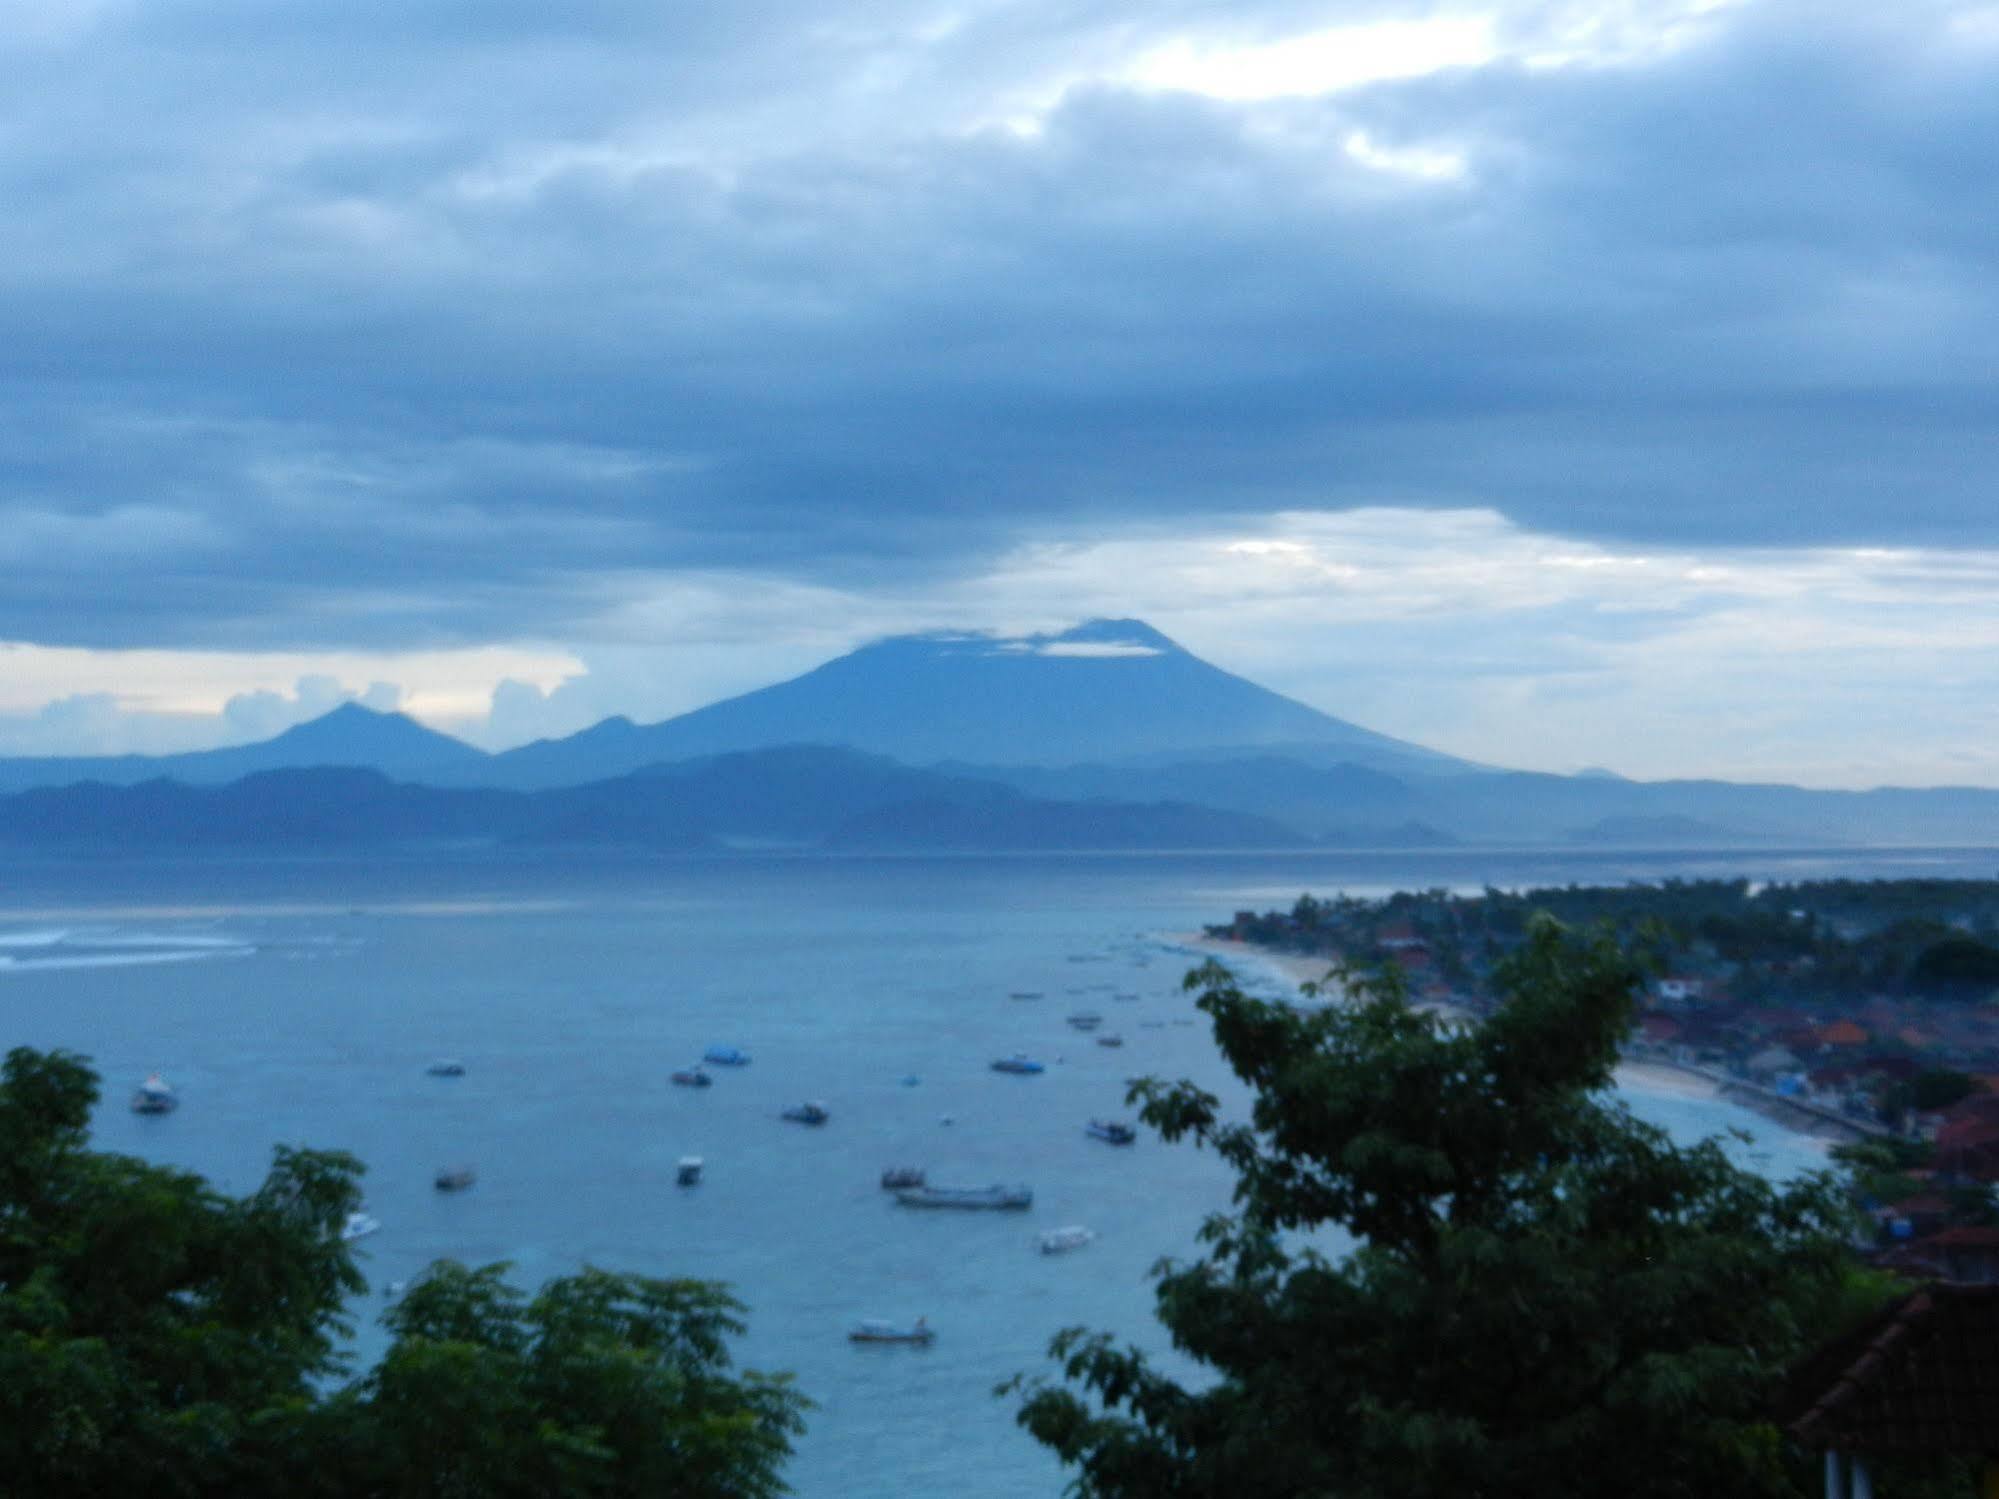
x=1111 y=1131
x=1062 y=1240
x=154 y=1096
x=1017 y=1063
x=446 y=1067
x=1025 y=994
x=965 y=1197
x=359 y=1226
x=688 y=1172
x=1110 y=1038
x=806 y=1113
x=1086 y=1020
x=726 y=1056
x=875 y=1330
x=898 y=1177
x=455 y=1178
x=692 y=1077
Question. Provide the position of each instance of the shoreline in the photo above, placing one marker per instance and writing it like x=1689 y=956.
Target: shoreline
x=1638 y=1074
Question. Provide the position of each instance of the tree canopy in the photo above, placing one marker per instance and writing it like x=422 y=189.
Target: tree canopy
x=157 y=1334
x=1455 y=1265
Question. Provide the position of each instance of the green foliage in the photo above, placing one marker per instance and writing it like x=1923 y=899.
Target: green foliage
x=1957 y=967
x=1456 y=1266
x=159 y=1336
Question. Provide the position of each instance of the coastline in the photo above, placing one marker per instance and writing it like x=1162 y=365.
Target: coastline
x=1295 y=967
x=1651 y=1075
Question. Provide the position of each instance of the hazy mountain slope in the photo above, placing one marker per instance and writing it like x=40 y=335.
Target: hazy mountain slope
x=1105 y=691
x=351 y=735
x=1309 y=798
x=801 y=796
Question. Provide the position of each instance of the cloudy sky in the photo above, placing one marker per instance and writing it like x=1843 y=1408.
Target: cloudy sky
x=1557 y=382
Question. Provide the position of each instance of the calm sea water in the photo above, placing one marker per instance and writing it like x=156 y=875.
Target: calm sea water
x=300 y=1002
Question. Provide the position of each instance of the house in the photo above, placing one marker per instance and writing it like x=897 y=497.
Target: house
x=1680 y=989
x=1915 y=1380
x=1659 y=1030
x=1771 y=1062
x=1968 y=1150
x=1965 y=1255
x=1914 y=1217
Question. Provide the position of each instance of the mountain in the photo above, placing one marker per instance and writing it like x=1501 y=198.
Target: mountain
x=1108 y=691
x=351 y=736
x=800 y=797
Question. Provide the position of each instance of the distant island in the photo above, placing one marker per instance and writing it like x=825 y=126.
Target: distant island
x=1105 y=736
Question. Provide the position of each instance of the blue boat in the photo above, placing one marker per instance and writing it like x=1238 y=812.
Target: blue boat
x=1017 y=1063
x=726 y=1056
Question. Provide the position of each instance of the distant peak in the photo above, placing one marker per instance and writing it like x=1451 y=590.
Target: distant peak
x=348 y=715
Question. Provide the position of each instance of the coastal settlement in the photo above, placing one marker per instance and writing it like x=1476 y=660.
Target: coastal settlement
x=1866 y=1011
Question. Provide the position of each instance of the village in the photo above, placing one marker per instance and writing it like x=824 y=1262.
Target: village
x=1866 y=1012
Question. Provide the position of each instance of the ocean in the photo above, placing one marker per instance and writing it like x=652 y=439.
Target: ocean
x=300 y=1002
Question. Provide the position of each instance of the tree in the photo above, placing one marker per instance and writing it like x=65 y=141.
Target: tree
x=158 y=1335
x=1537 y=1293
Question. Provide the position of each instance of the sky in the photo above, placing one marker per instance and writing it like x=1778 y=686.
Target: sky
x=1558 y=383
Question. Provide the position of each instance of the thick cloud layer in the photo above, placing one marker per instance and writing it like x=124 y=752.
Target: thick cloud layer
x=368 y=324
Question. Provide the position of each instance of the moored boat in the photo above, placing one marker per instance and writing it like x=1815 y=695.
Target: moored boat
x=1110 y=1038
x=1086 y=1020
x=895 y=1178
x=1111 y=1131
x=446 y=1067
x=1062 y=1240
x=726 y=1056
x=877 y=1330
x=966 y=1197
x=455 y=1178
x=688 y=1171
x=1017 y=1063
x=155 y=1096
x=806 y=1113
x=359 y=1226
x=692 y=1077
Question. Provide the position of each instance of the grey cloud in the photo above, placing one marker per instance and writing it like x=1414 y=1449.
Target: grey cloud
x=415 y=318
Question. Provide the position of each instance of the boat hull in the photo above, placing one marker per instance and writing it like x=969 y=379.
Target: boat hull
x=967 y=1199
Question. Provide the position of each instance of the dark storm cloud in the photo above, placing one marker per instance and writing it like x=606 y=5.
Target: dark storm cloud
x=384 y=323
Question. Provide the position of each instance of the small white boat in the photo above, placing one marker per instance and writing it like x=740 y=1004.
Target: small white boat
x=688 y=1172
x=154 y=1096
x=359 y=1226
x=1019 y=1063
x=1062 y=1240
x=726 y=1056
x=876 y=1330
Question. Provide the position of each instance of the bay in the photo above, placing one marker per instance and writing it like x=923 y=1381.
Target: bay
x=300 y=1001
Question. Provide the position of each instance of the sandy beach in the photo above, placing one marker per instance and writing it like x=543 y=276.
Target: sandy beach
x=1662 y=1077
x=1298 y=968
